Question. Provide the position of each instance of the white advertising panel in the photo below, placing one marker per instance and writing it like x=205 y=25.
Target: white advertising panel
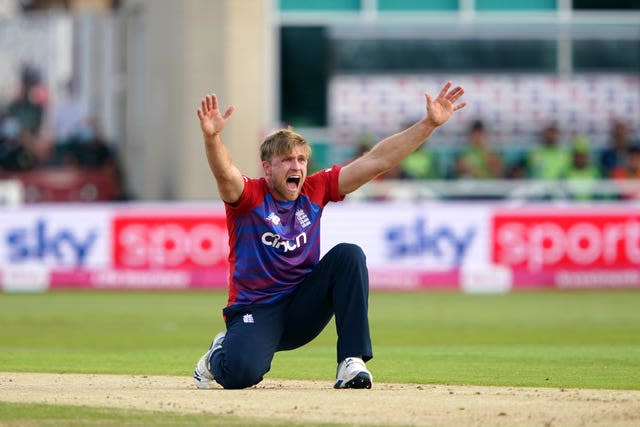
x=429 y=236
x=72 y=236
x=412 y=245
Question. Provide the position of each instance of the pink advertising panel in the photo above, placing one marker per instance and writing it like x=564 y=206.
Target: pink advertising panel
x=577 y=247
x=167 y=241
x=472 y=247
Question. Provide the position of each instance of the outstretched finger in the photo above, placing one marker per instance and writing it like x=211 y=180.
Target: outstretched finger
x=445 y=89
x=214 y=101
x=460 y=106
x=456 y=90
x=455 y=94
x=228 y=113
x=200 y=113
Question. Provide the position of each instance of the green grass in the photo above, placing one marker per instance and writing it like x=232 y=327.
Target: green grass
x=20 y=414
x=560 y=339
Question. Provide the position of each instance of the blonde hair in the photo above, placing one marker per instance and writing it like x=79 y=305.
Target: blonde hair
x=282 y=142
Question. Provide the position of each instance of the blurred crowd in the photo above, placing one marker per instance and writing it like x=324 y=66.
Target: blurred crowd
x=38 y=134
x=549 y=158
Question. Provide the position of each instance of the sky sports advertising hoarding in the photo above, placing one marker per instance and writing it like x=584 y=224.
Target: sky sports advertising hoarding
x=113 y=247
x=474 y=247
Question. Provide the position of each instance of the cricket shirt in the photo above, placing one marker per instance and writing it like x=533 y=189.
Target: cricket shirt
x=275 y=244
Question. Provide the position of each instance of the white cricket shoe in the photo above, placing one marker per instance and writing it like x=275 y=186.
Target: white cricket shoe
x=202 y=375
x=353 y=373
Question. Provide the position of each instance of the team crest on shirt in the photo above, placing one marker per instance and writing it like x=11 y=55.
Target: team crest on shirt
x=302 y=218
x=275 y=219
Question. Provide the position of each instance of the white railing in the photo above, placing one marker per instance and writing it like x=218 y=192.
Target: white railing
x=511 y=190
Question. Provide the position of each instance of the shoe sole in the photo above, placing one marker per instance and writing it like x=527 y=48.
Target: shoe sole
x=361 y=380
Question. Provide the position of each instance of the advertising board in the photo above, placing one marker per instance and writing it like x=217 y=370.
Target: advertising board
x=572 y=247
x=412 y=245
x=36 y=240
x=169 y=241
x=110 y=246
x=55 y=237
x=473 y=247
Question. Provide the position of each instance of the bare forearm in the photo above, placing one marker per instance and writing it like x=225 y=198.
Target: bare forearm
x=228 y=177
x=389 y=152
x=218 y=155
x=383 y=156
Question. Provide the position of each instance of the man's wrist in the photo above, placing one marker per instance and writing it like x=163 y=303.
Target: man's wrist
x=211 y=137
x=427 y=126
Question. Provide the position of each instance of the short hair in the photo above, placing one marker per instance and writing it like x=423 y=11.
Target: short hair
x=477 y=126
x=282 y=142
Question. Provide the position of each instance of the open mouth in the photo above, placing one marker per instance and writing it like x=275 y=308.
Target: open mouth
x=293 y=182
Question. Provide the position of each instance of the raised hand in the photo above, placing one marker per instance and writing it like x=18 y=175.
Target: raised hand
x=441 y=109
x=211 y=121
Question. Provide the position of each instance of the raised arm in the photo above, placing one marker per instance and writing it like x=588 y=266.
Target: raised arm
x=227 y=175
x=389 y=152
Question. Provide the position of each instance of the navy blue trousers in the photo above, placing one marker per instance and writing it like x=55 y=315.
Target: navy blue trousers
x=339 y=284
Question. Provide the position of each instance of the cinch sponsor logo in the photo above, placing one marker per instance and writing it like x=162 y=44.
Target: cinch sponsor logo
x=442 y=243
x=569 y=241
x=274 y=240
x=170 y=242
x=42 y=241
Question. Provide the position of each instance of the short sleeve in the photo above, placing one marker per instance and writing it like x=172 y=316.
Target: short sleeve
x=322 y=186
x=252 y=195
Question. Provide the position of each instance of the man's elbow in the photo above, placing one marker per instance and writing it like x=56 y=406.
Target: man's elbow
x=382 y=165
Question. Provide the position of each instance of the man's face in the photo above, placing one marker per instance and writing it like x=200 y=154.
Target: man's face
x=285 y=174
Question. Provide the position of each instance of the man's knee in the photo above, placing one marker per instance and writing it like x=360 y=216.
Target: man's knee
x=350 y=266
x=240 y=373
x=349 y=252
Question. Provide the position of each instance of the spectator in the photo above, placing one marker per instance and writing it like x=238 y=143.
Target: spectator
x=14 y=155
x=495 y=165
x=69 y=115
x=631 y=168
x=517 y=170
x=362 y=148
x=421 y=164
x=89 y=148
x=460 y=169
x=547 y=159
x=628 y=176
x=614 y=156
x=581 y=175
x=477 y=160
x=29 y=105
